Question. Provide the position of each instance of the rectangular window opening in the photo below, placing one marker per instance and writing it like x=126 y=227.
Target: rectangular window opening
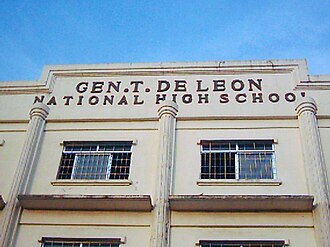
x=95 y=160
x=253 y=159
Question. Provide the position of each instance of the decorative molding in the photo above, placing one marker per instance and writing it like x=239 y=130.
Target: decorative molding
x=286 y=241
x=238 y=182
x=134 y=141
x=78 y=182
x=50 y=74
x=121 y=240
x=168 y=108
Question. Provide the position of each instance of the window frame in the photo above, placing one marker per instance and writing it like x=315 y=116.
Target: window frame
x=237 y=152
x=97 y=151
x=244 y=242
x=115 y=240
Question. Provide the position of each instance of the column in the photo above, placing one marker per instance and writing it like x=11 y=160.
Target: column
x=27 y=159
x=315 y=167
x=167 y=123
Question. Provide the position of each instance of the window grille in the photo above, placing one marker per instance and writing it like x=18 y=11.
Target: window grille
x=242 y=243
x=95 y=160
x=238 y=160
x=48 y=242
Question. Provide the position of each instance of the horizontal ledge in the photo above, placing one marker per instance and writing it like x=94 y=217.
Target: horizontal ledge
x=79 y=182
x=242 y=203
x=238 y=182
x=2 y=203
x=134 y=141
x=118 y=240
x=87 y=202
x=224 y=241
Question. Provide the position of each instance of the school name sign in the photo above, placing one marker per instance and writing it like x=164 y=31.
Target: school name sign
x=137 y=92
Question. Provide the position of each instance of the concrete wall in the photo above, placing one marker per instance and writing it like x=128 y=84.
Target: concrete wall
x=195 y=121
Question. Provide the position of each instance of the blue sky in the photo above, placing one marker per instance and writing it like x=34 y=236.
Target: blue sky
x=35 y=32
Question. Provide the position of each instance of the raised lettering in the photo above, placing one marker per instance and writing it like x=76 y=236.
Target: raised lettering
x=67 y=99
x=136 y=85
x=160 y=97
x=52 y=101
x=219 y=85
x=123 y=101
x=237 y=85
x=38 y=99
x=108 y=100
x=290 y=97
x=257 y=98
x=273 y=97
x=180 y=86
x=163 y=86
x=111 y=85
x=82 y=87
x=255 y=84
x=199 y=87
x=136 y=100
x=187 y=98
x=224 y=98
x=203 y=97
x=97 y=87
x=93 y=100
x=239 y=96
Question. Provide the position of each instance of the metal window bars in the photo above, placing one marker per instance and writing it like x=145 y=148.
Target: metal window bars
x=244 y=159
x=95 y=160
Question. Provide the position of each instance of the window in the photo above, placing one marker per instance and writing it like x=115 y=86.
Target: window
x=62 y=242
x=237 y=159
x=95 y=160
x=242 y=243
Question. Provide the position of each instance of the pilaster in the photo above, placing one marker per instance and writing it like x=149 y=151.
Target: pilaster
x=28 y=155
x=316 y=172
x=167 y=123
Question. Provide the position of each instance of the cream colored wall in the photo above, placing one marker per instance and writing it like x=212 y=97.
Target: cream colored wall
x=144 y=156
x=12 y=136
x=188 y=228
x=289 y=168
x=195 y=122
x=135 y=227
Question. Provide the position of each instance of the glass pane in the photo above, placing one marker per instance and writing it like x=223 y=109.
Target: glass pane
x=255 y=165
x=88 y=166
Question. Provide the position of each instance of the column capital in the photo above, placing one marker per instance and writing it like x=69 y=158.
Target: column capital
x=168 y=107
x=306 y=104
x=39 y=110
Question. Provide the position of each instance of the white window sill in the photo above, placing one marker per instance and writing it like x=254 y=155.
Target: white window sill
x=238 y=182
x=78 y=182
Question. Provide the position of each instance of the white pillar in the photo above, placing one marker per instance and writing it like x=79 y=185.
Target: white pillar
x=317 y=178
x=167 y=124
x=29 y=152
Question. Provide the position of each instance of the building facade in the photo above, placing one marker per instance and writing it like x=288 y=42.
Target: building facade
x=209 y=154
